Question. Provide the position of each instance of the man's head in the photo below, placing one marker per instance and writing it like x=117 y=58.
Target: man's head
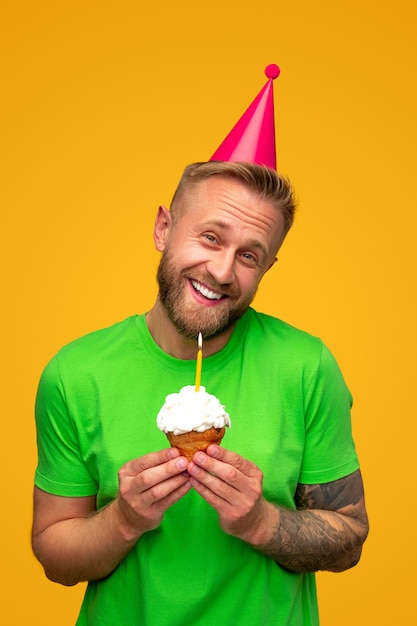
x=226 y=224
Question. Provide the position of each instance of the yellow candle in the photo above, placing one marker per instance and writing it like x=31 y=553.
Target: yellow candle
x=199 y=363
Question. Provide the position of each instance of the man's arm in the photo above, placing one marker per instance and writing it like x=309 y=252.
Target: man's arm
x=325 y=533
x=74 y=542
x=327 y=530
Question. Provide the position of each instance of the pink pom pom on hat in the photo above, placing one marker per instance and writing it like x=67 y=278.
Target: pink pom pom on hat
x=252 y=139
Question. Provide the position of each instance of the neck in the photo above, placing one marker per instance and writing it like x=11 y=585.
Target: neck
x=171 y=341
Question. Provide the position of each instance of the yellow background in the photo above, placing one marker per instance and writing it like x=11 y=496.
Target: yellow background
x=103 y=104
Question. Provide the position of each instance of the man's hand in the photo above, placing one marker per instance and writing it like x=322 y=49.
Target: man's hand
x=148 y=486
x=232 y=485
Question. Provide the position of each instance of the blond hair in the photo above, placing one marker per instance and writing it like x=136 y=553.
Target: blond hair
x=264 y=181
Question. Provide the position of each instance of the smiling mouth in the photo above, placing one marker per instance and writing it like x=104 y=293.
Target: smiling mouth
x=205 y=291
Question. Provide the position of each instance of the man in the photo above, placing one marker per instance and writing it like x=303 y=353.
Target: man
x=234 y=536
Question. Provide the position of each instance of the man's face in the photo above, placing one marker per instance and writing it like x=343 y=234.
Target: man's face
x=222 y=242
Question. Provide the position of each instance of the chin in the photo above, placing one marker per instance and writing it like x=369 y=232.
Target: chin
x=210 y=325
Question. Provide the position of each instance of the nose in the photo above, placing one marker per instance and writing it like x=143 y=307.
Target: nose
x=222 y=267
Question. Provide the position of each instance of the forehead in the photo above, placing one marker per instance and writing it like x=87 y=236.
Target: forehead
x=229 y=204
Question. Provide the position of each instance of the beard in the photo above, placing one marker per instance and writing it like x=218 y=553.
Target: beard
x=190 y=318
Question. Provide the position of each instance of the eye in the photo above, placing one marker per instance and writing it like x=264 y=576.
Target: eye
x=210 y=238
x=248 y=257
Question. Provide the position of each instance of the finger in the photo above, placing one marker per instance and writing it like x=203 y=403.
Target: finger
x=144 y=511
x=226 y=472
x=225 y=481
x=136 y=466
x=173 y=496
x=151 y=477
x=166 y=492
x=134 y=491
x=217 y=494
x=231 y=458
x=213 y=488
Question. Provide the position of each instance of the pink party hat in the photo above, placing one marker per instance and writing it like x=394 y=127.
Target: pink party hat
x=252 y=139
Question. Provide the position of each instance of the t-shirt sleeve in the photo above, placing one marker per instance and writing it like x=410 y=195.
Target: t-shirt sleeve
x=61 y=469
x=329 y=452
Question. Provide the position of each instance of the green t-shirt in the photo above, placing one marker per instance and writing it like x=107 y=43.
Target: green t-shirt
x=290 y=409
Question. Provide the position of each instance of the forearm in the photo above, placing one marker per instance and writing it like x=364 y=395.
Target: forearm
x=310 y=540
x=83 y=548
x=74 y=542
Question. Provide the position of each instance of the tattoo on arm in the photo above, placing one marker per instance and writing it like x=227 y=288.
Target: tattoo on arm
x=327 y=530
x=332 y=496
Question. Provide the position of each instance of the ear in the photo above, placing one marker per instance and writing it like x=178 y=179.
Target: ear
x=272 y=264
x=161 y=228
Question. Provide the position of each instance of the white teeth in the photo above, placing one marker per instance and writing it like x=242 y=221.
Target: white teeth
x=207 y=293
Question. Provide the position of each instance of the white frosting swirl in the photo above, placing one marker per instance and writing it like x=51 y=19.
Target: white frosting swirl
x=191 y=410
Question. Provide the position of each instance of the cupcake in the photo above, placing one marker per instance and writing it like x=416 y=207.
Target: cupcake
x=192 y=420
